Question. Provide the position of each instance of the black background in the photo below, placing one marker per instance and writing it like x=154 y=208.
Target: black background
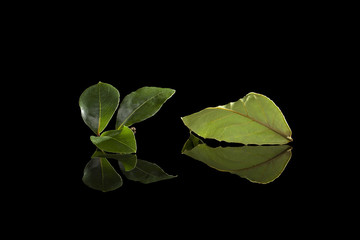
x=206 y=69
x=210 y=57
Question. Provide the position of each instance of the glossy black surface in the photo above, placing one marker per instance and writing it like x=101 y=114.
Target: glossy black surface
x=208 y=62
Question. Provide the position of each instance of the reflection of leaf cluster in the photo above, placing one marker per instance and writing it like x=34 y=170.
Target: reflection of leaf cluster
x=98 y=104
x=99 y=174
x=254 y=119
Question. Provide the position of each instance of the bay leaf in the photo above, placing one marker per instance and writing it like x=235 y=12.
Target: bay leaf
x=146 y=172
x=98 y=104
x=116 y=141
x=141 y=104
x=254 y=119
x=259 y=164
x=100 y=175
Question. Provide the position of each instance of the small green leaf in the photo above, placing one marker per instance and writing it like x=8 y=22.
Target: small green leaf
x=254 y=119
x=147 y=172
x=259 y=164
x=116 y=141
x=141 y=104
x=100 y=175
x=98 y=104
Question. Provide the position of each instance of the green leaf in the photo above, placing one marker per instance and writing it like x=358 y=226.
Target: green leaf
x=141 y=104
x=98 y=104
x=100 y=175
x=147 y=172
x=254 y=119
x=259 y=164
x=116 y=141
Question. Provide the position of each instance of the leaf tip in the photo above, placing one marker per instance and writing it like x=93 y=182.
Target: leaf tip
x=171 y=92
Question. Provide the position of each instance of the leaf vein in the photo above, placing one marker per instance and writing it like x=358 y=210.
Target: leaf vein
x=271 y=159
x=246 y=116
x=98 y=131
x=121 y=142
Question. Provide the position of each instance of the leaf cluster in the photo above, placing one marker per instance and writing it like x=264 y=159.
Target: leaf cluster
x=98 y=104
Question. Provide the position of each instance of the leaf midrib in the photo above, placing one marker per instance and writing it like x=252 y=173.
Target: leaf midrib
x=256 y=165
x=120 y=142
x=269 y=160
x=247 y=116
x=147 y=100
x=98 y=131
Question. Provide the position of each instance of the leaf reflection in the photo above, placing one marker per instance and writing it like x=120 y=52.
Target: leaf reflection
x=100 y=175
x=258 y=164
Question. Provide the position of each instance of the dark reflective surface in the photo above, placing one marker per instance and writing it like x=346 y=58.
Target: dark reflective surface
x=258 y=164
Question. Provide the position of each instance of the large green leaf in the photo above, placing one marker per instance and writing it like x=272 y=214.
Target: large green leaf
x=254 y=119
x=146 y=172
x=259 y=164
x=100 y=175
x=98 y=104
x=116 y=141
x=141 y=104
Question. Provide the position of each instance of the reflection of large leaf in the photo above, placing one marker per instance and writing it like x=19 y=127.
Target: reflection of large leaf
x=267 y=171
x=254 y=119
x=116 y=141
x=141 y=104
x=261 y=164
x=98 y=104
x=100 y=175
x=146 y=172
